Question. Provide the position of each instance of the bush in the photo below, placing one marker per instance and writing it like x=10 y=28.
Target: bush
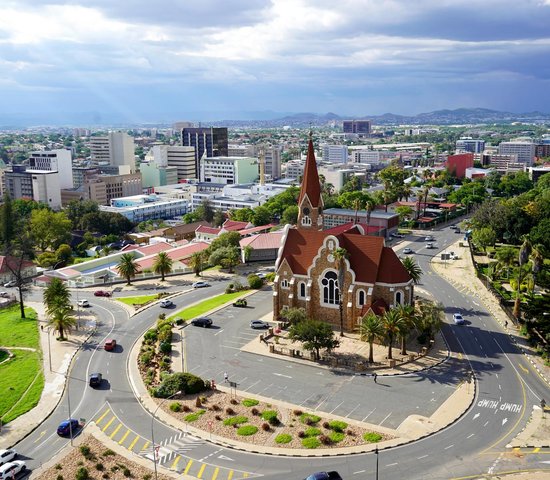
x=229 y=411
x=146 y=358
x=311 y=442
x=301 y=434
x=336 y=436
x=151 y=335
x=372 y=437
x=298 y=413
x=82 y=474
x=266 y=427
x=126 y=472
x=108 y=453
x=216 y=407
x=309 y=418
x=312 y=432
x=185 y=382
x=325 y=440
x=250 y=402
x=58 y=466
x=283 y=438
x=165 y=348
x=193 y=417
x=85 y=451
x=186 y=408
x=326 y=425
x=59 y=477
x=99 y=467
x=269 y=414
x=247 y=430
x=337 y=425
x=233 y=402
x=255 y=282
x=175 y=407
x=255 y=411
x=198 y=402
x=235 y=420
x=218 y=417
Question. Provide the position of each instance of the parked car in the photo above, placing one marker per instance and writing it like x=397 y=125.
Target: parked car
x=407 y=250
x=11 y=469
x=4 y=294
x=324 y=476
x=200 y=284
x=110 y=344
x=204 y=322
x=95 y=380
x=166 y=303
x=457 y=230
x=102 y=293
x=429 y=245
x=259 y=324
x=429 y=238
x=11 y=283
x=241 y=302
x=67 y=426
x=83 y=303
x=7 y=455
x=458 y=319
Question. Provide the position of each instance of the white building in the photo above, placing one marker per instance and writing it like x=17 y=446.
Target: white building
x=46 y=187
x=525 y=151
x=54 y=161
x=294 y=169
x=272 y=157
x=139 y=208
x=229 y=170
x=183 y=158
x=338 y=175
x=334 y=153
x=116 y=148
x=371 y=157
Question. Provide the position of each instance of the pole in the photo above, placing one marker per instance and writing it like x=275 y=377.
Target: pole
x=181 y=338
x=69 y=403
x=49 y=349
x=153 y=431
x=376 y=453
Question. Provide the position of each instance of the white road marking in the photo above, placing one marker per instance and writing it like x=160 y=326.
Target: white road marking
x=387 y=416
x=485 y=424
x=356 y=407
x=450 y=446
x=368 y=415
x=360 y=471
x=476 y=415
x=255 y=383
x=337 y=406
x=391 y=464
x=281 y=375
x=218 y=332
x=420 y=458
x=471 y=435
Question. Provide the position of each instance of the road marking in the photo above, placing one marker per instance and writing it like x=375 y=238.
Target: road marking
x=145 y=445
x=385 y=419
x=356 y=407
x=536 y=450
x=188 y=466
x=282 y=375
x=391 y=464
x=201 y=470
x=450 y=446
x=337 y=406
x=420 y=458
x=526 y=370
x=124 y=437
x=102 y=416
x=215 y=475
x=115 y=431
x=255 y=383
x=230 y=475
x=40 y=436
x=485 y=424
x=368 y=415
x=174 y=465
x=218 y=332
x=223 y=457
x=504 y=420
x=133 y=443
x=108 y=423
x=471 y=435
x=360 y=471
x=476 y=415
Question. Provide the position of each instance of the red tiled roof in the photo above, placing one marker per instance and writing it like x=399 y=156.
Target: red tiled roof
x=14 y=263
x=350 y=227
x=378 y=307
x=391 y=270
x=208 y=230
x=260 y=228
x=425 y=219
x=177 y=254
x=263 y=240
x=154 y=248
x=233 y=225
x=311 y=186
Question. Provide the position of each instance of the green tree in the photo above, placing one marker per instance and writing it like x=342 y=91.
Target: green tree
x=506 y=257
x=414 y=271
x=205 y=211
x=290 y=215
x=218 y=218
x=242 y=215
x=127 y=267
x=484 y=237
x=371 y=329
x=247 y=252
x=197 y=262
x=393 y=325
x=76 y=209
x=262 y=216
x=409 y=317
x=537 y=260
x=314 y=335
x=56 y=296
x=405 y=212
x=294 y=315
x=50 y=229
x=63 y=254
x=62 y=319
x=162 y=265
x=430 y=318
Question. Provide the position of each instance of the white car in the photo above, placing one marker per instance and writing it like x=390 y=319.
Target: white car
x=7 y=455
x=458 y=319
x=259 y=324
x=429 y=238
x=11 y=283
x=166 y=304
x=11 y=469
x=83 y=303
x=407 y=250
x=201 y=284
x=4 y=294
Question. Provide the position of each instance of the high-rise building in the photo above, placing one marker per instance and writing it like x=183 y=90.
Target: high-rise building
x=359 y=127
x=229 y=170
x=38 y=185
x=116 y=148
x=211 y=140
x=335 y=153
x=183 y=158
x=524 y=150
x=54 y=161
x=467 y=144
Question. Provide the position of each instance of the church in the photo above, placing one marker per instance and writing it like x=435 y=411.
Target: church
x=310 y=260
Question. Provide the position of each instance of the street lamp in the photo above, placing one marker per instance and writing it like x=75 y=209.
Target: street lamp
x=69 y=405
x=376 y=453
x=49 y=349
x=153 y=430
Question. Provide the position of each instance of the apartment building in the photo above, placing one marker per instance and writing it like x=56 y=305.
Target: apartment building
x=525 y=151
x=334 y=153
x=183 y=158
x=54 y=161
x=115 y=148
x=229 y=170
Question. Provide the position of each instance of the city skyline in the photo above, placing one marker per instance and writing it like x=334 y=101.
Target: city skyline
x=127 y=62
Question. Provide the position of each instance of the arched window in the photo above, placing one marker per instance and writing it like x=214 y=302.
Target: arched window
x=361 y=298
x=331 y=293
x=284 y=283
x=398 y=298
x=302 y=290
x=306 y=220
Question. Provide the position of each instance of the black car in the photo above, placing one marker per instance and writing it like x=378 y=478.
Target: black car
x=324 y=476
x=95 y=380
x=204 y=322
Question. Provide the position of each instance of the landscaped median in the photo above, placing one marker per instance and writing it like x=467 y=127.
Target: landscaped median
x=141 y=300
x=21 y=376
x=207 y=305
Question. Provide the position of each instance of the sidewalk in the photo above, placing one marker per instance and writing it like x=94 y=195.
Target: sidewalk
x=58 y=356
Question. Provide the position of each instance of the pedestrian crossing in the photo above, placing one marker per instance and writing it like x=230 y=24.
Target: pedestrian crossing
x=171 y=452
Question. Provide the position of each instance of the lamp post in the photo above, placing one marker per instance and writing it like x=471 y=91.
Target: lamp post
x=69 y=404
x=153 y=430
x=49 y=349
x=376 y=453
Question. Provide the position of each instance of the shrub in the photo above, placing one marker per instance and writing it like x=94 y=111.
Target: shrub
x=250 y=402
x=59 y=477
x=269 y=414
x=350 y=433
x=336 y=436
x=266 y=427
x=247 y=430
x=126 y=472
x=105 y=475
x=85 y=451
x=193 y=417
x=309 y=418
x=151 y=335
x=82 y=474
x=147 y=476
x=186 y=408
x=108 y=453
x=372 y=437
x=185 y=382
x=146 y=358
x=99 y=467
x=175 y=407
x=337 y=425
x=312 y=432
x=58 y=467
x=216 y=407
x=235 y=420
x=298 y=413
x=283 y=438
x=325 y=439
x=301 y=434
x=179 y=321
x=255 y=411
x=311 y=442
x=255 y=282
x=233 y=402
x=198 y=402
x=229 y=411
x=326 y=425
x=165 y=347
x=218 y=417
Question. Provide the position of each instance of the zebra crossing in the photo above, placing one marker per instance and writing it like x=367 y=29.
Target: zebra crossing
x=169 y=448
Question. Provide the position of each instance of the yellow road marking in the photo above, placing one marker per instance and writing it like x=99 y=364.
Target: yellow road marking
x=145 y=445
x=124 y=437
x=526 y=370
x=108 y=423
x=188 y=466
x=245 y=475
x=176 y=461
x=460 y=356
x=215 y=473
x=517 y=449
x=199 y=475
x=40 y=436
x=134 y=441
x=115 y=431
x=230 y=475
x=102 y=416
x=536 y=450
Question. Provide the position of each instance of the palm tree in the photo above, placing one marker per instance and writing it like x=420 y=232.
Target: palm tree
x=340 y=254
x=162 y=265
x=56 y=295
x=430 y=317
x=537 y=259
x=393 y=325
x=369 y=202
x=409 y=317
x=506 y=256
x=61 y=319
x=371 y=329
x=127 y=267
x=414 y=271
x=197 y=262
x=523 y=258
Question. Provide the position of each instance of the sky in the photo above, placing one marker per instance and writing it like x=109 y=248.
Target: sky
x=140 y=61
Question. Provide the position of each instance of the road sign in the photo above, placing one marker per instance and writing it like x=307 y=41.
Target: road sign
x=233 y=384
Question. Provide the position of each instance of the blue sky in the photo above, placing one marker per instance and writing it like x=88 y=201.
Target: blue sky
x=144 y=61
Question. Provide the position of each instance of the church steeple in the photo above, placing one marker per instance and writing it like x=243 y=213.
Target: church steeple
x=310 y=202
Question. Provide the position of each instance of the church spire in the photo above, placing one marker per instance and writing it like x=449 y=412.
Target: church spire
x=310 y=202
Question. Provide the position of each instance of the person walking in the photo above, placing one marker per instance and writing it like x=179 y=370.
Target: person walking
x=225 y=377
x=374 y=375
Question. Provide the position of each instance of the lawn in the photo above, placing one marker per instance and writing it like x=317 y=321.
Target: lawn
x=139 y=300
x=207 y=305
x=16 y=376
x=16 y=331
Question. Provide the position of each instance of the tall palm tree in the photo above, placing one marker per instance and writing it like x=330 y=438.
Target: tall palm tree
x=369 y=201
x=412 y=268
x=163 y=265
x=393 y=324
x=340 y=254
x=127 y=267
x=430 y=317
x=62 y=319
x=371 y=329
x=56 y=295
x=523 y=258
x=409 y=317
x=197 y=262
x=537 y=259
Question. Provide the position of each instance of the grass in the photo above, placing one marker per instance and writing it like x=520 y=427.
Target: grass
x=207 y=305
x=250 y=402
x=309 y=418
x=247 y=430
x=16 y=331
x=235 y=420
x=337 y=425
x=139 y=300
x=311 y=442
x=193 y=417
x=312 y=432
x=283 y=438
x=372 y=437
x=336 y=437
x=15 y=378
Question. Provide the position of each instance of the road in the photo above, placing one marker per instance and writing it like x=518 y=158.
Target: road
x=507 y=387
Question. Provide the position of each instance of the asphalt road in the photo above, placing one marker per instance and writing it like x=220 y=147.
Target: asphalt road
x=507 y=389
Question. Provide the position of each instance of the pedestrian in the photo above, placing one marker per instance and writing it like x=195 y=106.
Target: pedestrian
x=225 y=377
x=42 y=327
x=374 y=375
x=505 y=323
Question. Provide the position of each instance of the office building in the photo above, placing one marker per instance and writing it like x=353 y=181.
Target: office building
x=153 y=175
x=525 y=151
x=272 y=157
x=54 y=161
x=183 y=158
x=229 y=170
x=116 y=149
x=467 y=144
x=457 y=164
x=140 y=208
x=38 y=185
x=211 y=140
x=294 y=169
x=334 y=153
x=359 y=127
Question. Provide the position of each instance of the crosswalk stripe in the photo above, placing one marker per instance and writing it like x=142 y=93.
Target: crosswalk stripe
x=188 y=466
x=108 y=423
x=115 y=431
x=230 y=475
x=124 y=436
x=175 y=463
x=245 y=475
x=145 y=445
x=134 y=441
x=102 y=416
x=199 y=475
x=214 y=476
x=536 y=450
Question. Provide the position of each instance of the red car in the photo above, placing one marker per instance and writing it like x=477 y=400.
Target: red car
x=110 y=344
x=102 y=293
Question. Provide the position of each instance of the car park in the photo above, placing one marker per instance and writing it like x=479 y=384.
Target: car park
x=259 y=324
x=458 y=319
x=7 y=455
x=12 y=469
x=83 y=303
x=324 y=476
x=11 y=283
x=166 y=304
x=204 y=322
x=95 y=380
x=110 y=344
x=67 y=426
x=407 y=250
x=200 y=284
x=102 y=293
